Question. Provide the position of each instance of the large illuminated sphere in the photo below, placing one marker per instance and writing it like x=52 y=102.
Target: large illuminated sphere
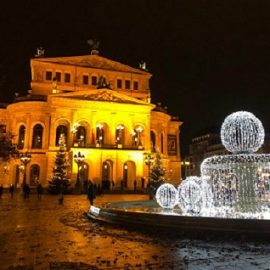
x=167 y=196
x=190 y=195
x=242 y=132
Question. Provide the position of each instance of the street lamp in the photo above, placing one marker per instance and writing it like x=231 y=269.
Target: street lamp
x=25 y=159
x=79 y=159
x=149 y=160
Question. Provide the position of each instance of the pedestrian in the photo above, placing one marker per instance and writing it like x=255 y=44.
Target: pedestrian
x=11 y=190
x=91 y=193
x=122 y=185
x=112 y=184
x=143 y=182
x=39 y=190
x=95 y=189
x=135 y=185
x=27 y=191
x=1 y=190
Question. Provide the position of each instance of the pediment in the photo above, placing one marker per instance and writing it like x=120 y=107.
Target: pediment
x=101 y=95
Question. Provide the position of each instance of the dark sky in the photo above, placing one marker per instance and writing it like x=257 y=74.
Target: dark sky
x=208 y=58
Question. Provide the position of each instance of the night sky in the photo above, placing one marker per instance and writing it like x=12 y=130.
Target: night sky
x=208 y=58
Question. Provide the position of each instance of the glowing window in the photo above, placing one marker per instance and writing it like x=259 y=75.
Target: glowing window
x=37 y=136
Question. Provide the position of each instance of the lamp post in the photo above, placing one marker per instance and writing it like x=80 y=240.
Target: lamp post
x=25 y=159
x=149 y=160
x=79 y=159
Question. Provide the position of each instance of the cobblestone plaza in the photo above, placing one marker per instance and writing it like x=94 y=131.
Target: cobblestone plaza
x=41 y=234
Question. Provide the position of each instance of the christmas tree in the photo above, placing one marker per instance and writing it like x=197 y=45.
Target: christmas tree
x=60 y=183
x=157 y=175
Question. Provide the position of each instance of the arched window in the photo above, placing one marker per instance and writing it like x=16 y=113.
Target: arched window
x=81 y=135
x=99 y=134
x=137 y=136
x=119 y=135
x=153 y=141
x=34 y=174
x=21 y=137
x=161 y=143
x=37 y=136
x=61 y=135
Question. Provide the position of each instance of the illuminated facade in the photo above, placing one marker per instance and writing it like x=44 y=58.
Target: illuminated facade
x=102 y=109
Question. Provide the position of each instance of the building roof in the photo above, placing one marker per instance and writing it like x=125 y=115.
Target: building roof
x=91 y=61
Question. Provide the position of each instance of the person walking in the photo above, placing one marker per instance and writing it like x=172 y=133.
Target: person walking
x=143 y=182
x=27 y=191
x=112 y=185
x=1 y=190
x=135 y=185
x=39 y=191
x=91 y=193
x=11 y=190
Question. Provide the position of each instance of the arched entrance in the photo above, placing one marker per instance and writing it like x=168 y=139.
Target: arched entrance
x=129 y=174
x=34 y=174
x=106 y=176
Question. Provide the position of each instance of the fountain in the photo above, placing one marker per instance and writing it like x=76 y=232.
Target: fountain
x=240 y=181
x=235 y=185
x=232 y=194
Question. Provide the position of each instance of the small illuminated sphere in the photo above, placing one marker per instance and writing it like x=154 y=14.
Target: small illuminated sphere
x=190 y=195
x=242 y=132
x=167 y=196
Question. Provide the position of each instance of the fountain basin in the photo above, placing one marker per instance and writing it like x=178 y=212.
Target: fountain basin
x=148 y=214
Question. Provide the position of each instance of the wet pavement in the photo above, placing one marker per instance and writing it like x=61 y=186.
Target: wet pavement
x=45 y=235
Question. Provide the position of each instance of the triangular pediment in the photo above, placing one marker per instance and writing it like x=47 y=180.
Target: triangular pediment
x=92 y=61
x=101 y=95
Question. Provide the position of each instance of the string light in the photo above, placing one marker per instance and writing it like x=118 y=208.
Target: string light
x=166 y=196
x=190 y=195
x=241 y=181
x=242 y=132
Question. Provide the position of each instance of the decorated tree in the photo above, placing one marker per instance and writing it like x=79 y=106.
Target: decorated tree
x=60 y=183
x=157 y=175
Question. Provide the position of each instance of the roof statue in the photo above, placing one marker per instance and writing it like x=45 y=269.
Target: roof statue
x=40 y=52
x=102 y=83
x=94 y=45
